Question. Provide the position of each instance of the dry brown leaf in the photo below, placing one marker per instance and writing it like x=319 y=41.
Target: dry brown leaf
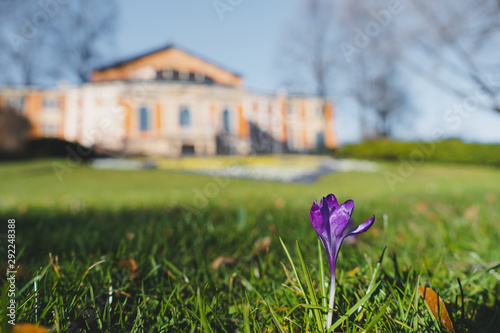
x=431 y=298
x=472 y=213
x=130 y=267
x=439 y=206
x=433 y=216
x=21 y=273
x=29 y=328
x=491 y=198
x=421 y=207
x=223 y=260
x=353 y=272
x=263 y=244
x=279 y=203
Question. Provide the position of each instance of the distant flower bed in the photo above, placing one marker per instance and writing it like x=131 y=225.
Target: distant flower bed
x=286 y=169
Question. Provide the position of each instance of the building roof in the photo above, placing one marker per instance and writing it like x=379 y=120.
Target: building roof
x=167 y=47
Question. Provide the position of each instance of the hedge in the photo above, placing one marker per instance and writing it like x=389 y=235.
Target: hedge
x=452 y=150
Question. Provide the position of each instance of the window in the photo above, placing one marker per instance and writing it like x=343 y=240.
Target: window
x=183 y=75
x=168 y=74
x=143 y=119
x=320 y=140
x=226 y=125
x=50 y=103
x=199 y=77
x=185 y=117
x=187 y=150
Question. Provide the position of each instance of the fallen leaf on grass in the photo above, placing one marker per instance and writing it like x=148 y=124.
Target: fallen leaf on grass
x=472 y=213
x=491 y=198
x=19 y=269
x=263 y=244
x=431 y=298
x=279 y=203
x=353 y=272
x=130 y=267
x=29 y=328
x=223 y=260
x=375 y=232
x=421 y=207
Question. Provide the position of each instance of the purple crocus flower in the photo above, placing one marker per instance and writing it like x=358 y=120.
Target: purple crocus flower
x=330 y=220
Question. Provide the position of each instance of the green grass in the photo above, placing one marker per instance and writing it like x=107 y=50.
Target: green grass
x=441 y=224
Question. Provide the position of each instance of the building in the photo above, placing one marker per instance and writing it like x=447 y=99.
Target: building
x=170 y=102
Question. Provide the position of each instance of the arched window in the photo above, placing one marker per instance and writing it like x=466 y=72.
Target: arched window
x=185 y=117
x=226 y=125
x=143 y=119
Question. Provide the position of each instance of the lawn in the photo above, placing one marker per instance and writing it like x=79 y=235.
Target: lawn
x=162 y=251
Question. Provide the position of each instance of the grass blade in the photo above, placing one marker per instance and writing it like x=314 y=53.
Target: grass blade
x=275 y=319
x=294 y=270
x=322 y=276
x=312 y=294
x=203 y=318
x=353 y=309
x=378 y=316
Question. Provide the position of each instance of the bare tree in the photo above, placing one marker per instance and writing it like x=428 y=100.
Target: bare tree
x=387 y=101
x=42 y=41
x=3 y=41
x=309 y=45
x=460 y=40
x=28 y=52
x=328 y=42
x=84 y=29
x=29 y=59
x=453 y=44
x=309 y=49
x=372 y=69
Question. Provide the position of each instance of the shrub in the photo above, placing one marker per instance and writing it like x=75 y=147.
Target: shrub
x=14 y=130
x=451 y=150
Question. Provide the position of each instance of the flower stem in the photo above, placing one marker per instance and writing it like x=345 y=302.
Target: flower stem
x=332 y=301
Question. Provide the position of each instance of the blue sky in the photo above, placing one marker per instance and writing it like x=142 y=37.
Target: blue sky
x=246 y=41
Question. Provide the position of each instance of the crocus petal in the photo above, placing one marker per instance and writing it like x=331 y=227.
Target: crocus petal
x=325 y=210
x=317 y=221
x=339 y=219
x=361 y=228
x=332 y=202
